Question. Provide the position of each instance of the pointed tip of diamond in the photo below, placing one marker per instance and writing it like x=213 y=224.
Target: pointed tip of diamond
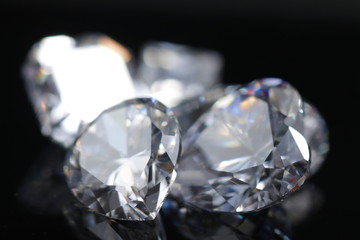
x=123 y=164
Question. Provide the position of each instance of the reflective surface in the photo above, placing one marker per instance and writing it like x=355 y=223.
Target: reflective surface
x=246 y=152
x=70 y=81
x=123 y=164
x=265 y=111
x=313 y=45
x=316 y=133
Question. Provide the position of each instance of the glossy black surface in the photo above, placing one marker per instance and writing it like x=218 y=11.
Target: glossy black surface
x=314 y=47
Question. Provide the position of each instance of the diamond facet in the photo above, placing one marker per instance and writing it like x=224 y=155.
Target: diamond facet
x=246 y=153
x=71 y=81
x=123 y=164
x=175 y=73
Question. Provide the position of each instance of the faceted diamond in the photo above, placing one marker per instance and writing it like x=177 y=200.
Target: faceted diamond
x=123 y=164
x=176 y=73
x=246 y=153
x=316 y=133
x=71 y=81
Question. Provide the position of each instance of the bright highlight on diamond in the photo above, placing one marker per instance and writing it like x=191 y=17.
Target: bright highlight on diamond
x=71 y=81
x=316 y=133
x=246 y=153
x=123 y=164
x=245 y=147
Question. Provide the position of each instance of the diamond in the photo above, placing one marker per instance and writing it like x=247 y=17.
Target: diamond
x=123 y=164
x=246 y=153
x=316 y=133
x=175 y=73
x=71 y=81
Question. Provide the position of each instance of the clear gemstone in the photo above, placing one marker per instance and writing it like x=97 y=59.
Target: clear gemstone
x=175 y=72
x=123 y=164
x=316 y=133
x=71 y=81
x=246 y=153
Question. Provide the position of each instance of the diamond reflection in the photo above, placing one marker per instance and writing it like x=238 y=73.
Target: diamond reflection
x=277 y=222
x=90 y=225
x=193 y=223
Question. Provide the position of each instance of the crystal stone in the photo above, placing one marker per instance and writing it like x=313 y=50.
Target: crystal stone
x=122 y=165
x=70 y=81
x=246 y=152
x=175 y=73
x=316 y=133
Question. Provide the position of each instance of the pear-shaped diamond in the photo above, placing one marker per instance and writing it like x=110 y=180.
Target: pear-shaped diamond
x=123 y=164
x=246 y=153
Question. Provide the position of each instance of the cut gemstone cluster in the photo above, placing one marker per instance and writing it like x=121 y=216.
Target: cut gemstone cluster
x=245 y=147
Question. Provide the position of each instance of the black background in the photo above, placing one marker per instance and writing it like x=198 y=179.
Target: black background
x=315 y=46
